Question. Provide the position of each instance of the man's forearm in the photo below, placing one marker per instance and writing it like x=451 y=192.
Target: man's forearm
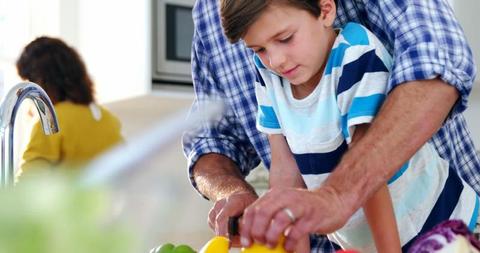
x=411 y=114
x=217 y=177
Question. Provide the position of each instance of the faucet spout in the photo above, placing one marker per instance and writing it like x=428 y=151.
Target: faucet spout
x=8 y=112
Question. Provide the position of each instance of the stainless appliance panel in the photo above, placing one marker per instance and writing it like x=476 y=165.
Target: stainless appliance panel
x=173 y=31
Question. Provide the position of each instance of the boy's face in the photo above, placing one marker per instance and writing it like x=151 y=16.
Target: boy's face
x=292 y=42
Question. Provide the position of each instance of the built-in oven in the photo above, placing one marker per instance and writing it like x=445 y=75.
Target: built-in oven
x=172 y=41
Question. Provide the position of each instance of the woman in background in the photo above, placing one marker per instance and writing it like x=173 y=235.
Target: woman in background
x=86 y=129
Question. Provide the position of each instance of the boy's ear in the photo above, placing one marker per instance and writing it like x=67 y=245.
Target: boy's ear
x=328 y=11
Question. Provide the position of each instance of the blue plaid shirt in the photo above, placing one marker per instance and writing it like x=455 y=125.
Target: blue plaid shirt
x=423 y=36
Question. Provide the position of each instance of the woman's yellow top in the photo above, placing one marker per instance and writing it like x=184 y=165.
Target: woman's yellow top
x=85 y=132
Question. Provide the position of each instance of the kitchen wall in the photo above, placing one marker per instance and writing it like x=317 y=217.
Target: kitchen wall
x=113 y=36
x=467 y=13
x=20 y=20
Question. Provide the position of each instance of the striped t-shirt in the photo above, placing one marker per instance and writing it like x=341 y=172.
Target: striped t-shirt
x=319 y=127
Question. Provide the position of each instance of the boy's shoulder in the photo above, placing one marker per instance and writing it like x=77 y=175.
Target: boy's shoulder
x=354 y=34
x=355 y=42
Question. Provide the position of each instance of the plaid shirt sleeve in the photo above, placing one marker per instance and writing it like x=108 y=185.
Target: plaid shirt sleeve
x=226 y=136
x=428 y=42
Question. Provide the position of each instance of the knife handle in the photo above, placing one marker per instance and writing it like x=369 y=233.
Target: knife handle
x=233 y=228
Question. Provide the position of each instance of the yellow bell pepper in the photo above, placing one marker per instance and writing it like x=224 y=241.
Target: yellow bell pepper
x=258 y=248
x=217 y=244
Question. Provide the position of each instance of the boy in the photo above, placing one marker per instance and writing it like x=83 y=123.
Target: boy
x=317 y=94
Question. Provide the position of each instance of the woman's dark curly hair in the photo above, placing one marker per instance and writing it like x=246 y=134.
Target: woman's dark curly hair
x=58 y=69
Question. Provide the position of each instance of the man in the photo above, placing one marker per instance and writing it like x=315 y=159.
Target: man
x=429 y=86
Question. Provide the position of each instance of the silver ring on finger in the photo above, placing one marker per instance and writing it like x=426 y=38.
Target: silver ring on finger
x=290 y=214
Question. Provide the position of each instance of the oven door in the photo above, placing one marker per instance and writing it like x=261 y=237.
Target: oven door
x=173 y=32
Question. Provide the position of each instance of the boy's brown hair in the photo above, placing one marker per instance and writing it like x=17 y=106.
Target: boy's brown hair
x=238 y=15
x=58 y=69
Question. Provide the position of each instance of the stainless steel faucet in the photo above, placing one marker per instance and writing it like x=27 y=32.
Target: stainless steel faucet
x=8 y=112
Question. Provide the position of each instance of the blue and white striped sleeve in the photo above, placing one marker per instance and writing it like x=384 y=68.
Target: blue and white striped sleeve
x=267 y=121
x=362 y=85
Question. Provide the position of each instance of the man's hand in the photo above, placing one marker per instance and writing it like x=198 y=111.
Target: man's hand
x=223 y=209
x=219 y=179
x=298 y=211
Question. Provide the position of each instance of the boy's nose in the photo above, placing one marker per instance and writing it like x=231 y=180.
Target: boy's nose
x=277 y=60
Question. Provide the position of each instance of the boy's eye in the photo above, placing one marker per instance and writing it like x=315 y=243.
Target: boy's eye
x=259 y=50
x=286 y=39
